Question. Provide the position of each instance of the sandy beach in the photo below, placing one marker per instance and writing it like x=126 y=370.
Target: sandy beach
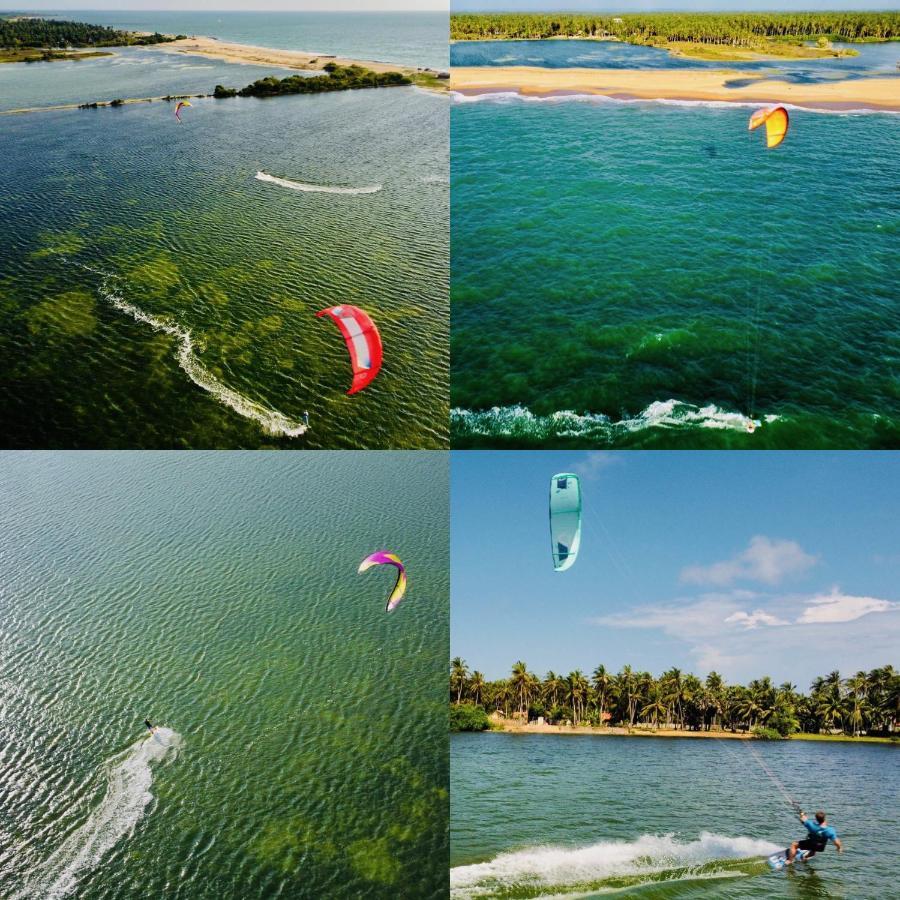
x=685 y=84
x=287 y=59
x=514 y=726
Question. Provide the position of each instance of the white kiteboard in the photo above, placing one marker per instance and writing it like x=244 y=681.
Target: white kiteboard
x=777 y=861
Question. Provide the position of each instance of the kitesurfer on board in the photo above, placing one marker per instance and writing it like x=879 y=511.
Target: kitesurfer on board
x=305 y=419
x=150 y=728
x=819 y=834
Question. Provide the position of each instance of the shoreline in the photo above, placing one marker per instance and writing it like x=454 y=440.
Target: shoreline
x=879 y=94
x=507 y=726
x=100 y=104
x=685 y=49
x=249 y=54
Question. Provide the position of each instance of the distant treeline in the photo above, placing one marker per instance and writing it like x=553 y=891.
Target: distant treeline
x=338 y=78
x=736 y=29
x=27 y=32
x=867 y=702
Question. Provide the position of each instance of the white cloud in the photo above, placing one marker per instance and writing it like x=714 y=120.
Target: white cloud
x=838 y=607
x=689 y=619
x=591 y=464
x=755 y=619
x=742 y=634
x=766 y=560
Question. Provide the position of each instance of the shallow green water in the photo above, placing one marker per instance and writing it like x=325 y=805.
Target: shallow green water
x=647 y=274
x=218 y=595
x=549 y=815
x=117 y=222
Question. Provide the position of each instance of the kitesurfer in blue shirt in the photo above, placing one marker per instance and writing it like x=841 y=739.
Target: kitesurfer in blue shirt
x=820 y=833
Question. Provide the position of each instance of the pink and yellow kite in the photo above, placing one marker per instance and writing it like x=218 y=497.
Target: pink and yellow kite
x=382 y=558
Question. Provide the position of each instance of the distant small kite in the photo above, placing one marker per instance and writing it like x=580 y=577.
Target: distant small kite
x=381 y=558
x=179 y=106
x=776 y=120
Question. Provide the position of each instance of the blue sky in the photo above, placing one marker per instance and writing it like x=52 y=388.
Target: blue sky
x=775 y=563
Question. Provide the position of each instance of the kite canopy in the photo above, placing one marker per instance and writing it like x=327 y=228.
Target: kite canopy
x=776 y=121
x=363 y=342
x=384 y=558
x=179 y=106
x=565 y=520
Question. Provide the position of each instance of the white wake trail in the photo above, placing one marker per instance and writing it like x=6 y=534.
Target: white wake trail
x=316 y=188
x=271 y=420
x=129 y=780
x=551 y=869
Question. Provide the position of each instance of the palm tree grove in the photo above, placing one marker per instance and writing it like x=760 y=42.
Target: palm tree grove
x=865 y=704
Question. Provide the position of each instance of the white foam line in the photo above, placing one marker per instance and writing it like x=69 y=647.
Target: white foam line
x=315 y=188
x=520 y=421
x=271 y=420
x=550 y=868
x=600 y=99
x=129 y=778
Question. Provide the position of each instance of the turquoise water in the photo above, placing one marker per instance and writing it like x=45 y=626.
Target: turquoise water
x=303 y=748
x=410 y=38
x=872 y=59
x=556 y=816
x=156 y=294
x=648 y=275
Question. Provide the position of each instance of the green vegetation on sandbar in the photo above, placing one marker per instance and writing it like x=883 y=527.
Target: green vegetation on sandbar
x=338 y=78
x=31 y=39
x=720 y=36
x=39 y=54
x=868 y=703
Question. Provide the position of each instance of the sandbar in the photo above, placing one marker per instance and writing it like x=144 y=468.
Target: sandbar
x=266 y=56
x=878 y=93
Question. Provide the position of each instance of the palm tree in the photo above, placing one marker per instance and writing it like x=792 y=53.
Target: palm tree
x=520 y=685
x=626 y=686
x=458 y=675
x=831 y=705
x=715 y=686
x=476 y=687
x=551 y=688
x=601 y=683
x=576 y=693
x=655 y=705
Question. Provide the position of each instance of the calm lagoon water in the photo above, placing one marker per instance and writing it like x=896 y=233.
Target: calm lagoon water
x=408 y=38
x=303 y=748
x=559 y=816
x=640 y=274
x=872 y=59
x=156 y=294
x=130 y=72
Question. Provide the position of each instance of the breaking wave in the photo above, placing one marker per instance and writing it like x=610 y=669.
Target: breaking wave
x=514 y=96
x=519 y=421
x=547 y=870
x=316 y=188
x=270 y=420
x=129 y=778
